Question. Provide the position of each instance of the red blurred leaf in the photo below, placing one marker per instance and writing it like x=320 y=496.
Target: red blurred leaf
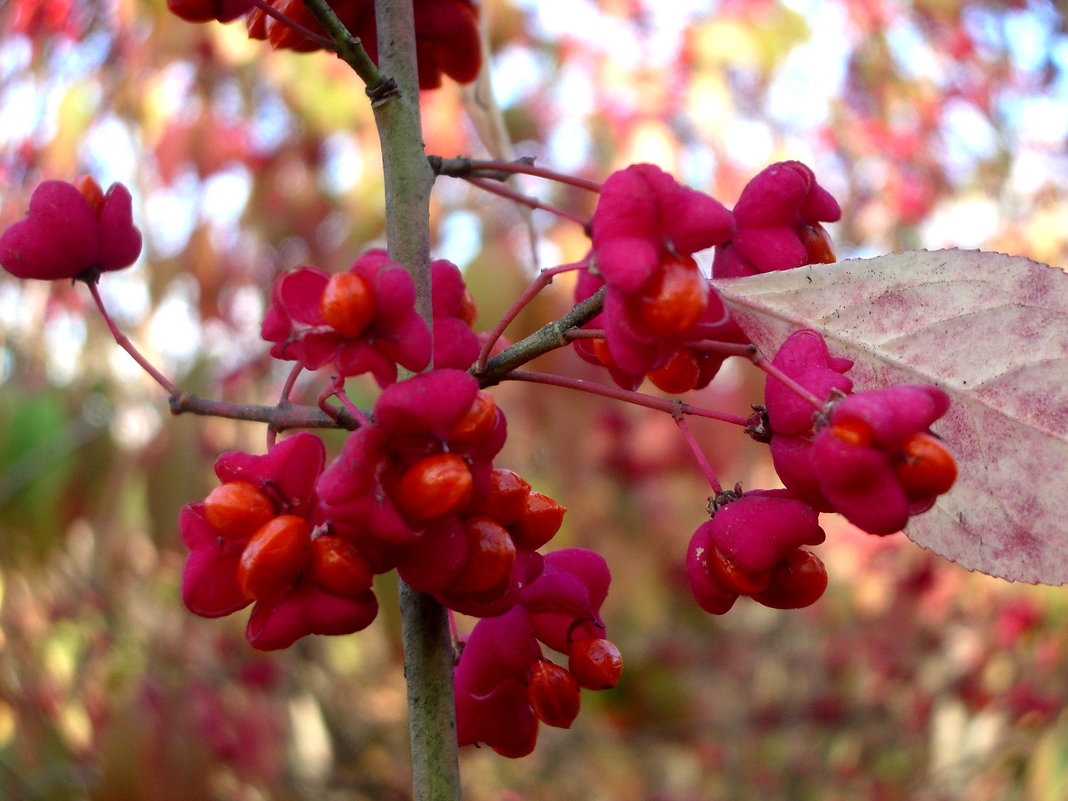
x=990 y=329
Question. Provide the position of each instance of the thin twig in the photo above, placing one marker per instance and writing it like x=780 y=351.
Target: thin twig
x=671 y=406
x=464 y=167
x=282 y=417
x=800 y=390
x=169 y=386
x=545 y=277
x=549 y=337
x=500 y=190
x=698 y=454
x=350 y=49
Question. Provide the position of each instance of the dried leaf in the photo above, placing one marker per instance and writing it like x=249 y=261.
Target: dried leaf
x=990 y=329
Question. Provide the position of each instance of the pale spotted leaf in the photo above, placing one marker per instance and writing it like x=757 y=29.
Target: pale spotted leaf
x=990 y=329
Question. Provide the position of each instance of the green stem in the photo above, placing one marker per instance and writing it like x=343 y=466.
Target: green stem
x=428 y=668
x=406 y=171
x=543 y=280
x=549 y=337
x=428 y=651
x=350 y=50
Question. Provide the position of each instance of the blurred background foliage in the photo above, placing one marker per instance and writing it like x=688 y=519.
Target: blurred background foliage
x=934 y=123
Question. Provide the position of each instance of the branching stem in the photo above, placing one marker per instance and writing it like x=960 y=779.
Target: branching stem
x=496 y=169
x=549 y=337
x=283 y=398
x=545 y=277
x=673 y=407
x=351 y=50
x=350 y=407
x=282 y=417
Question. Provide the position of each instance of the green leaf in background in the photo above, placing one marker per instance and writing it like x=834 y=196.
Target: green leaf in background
x=39 y=441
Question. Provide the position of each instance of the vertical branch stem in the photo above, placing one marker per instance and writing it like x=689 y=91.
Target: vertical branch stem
x=407 y=173
x=428 y=652
x=428 y=667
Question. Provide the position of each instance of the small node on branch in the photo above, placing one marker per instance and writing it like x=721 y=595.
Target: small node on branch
x=467 y=167
x=677 y=409
x=455 y=167
x=383 y=92
x=757 y=426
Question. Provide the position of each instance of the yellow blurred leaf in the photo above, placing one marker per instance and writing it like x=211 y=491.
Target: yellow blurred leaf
x=757 y=44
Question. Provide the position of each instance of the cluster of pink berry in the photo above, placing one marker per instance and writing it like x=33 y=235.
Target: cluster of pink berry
x=446 y=31
x=658 y=307
x=261 y=537
x=415 y=488
x=869 y=456
x=364 y=320
x=505 y=685
x=414 y=491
